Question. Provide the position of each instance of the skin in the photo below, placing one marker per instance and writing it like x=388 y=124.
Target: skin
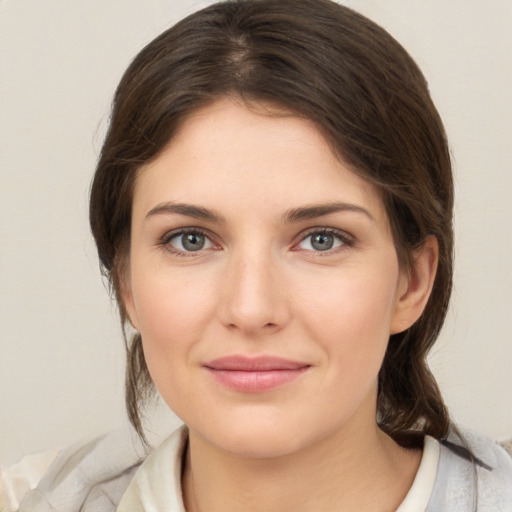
x=260 y=287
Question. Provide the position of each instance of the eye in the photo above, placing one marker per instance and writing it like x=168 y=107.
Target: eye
x=323 y=240
x=187 y=241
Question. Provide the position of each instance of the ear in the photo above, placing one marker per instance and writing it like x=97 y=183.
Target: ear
x=415 y=287
x=125 y=285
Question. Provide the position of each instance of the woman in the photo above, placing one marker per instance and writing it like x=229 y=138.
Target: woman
x=273 y=206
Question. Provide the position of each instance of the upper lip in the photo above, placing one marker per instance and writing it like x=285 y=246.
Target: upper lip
x=254 y=364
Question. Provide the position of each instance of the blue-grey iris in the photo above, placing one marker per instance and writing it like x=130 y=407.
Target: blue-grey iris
x=193 y=241
x=322 y=241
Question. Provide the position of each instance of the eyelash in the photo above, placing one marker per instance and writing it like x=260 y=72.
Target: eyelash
x=346 y=240
x=165 y=241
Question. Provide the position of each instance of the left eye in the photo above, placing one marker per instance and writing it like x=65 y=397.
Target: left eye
x=190 y=242
x=321 y=241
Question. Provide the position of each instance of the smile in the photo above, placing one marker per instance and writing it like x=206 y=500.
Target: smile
x=254 y=375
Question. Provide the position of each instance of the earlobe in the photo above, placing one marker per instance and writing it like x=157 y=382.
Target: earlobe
x=417 y=286
x=127 y=299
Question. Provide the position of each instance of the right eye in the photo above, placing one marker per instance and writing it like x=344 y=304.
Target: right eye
x=187 y=241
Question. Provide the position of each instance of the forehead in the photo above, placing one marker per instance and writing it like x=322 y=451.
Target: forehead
x=229 y=153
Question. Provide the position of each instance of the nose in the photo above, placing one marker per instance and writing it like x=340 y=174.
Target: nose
x=253 y=297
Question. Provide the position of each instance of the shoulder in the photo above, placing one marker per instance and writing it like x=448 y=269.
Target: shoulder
x=474 y=473
x=157 y=483
x=89 y=476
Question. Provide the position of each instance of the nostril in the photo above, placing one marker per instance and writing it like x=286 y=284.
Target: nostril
x=268 y=326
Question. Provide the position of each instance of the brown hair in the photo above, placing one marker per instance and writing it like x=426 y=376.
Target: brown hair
x=333 y=66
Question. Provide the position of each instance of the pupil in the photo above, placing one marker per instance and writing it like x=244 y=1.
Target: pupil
x=323 y=242
x=193 y=242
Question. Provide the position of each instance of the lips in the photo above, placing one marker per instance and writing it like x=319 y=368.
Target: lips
x=255 y=374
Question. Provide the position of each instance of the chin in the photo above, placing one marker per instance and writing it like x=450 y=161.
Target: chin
x=254 y=434
x=258 y=444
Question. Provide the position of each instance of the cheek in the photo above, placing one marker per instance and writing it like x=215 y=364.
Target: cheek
x=350 y=316
x=354 y=301
x=173 y=312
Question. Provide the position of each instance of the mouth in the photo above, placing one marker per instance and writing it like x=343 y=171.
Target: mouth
x=255 y=374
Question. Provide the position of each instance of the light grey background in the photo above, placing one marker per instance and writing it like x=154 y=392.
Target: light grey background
x=61 y=353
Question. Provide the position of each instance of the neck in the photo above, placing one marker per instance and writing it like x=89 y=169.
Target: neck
x=345 y=471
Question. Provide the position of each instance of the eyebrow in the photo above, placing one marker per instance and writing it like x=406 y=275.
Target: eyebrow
x=190 y=210
x=318 y=210
x=290 y=216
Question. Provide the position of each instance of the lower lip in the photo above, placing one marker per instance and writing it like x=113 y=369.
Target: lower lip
x=255 y=381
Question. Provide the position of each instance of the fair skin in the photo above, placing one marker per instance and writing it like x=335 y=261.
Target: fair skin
x=286 y=254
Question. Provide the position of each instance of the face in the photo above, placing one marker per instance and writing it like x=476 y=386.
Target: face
x=264 y=280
